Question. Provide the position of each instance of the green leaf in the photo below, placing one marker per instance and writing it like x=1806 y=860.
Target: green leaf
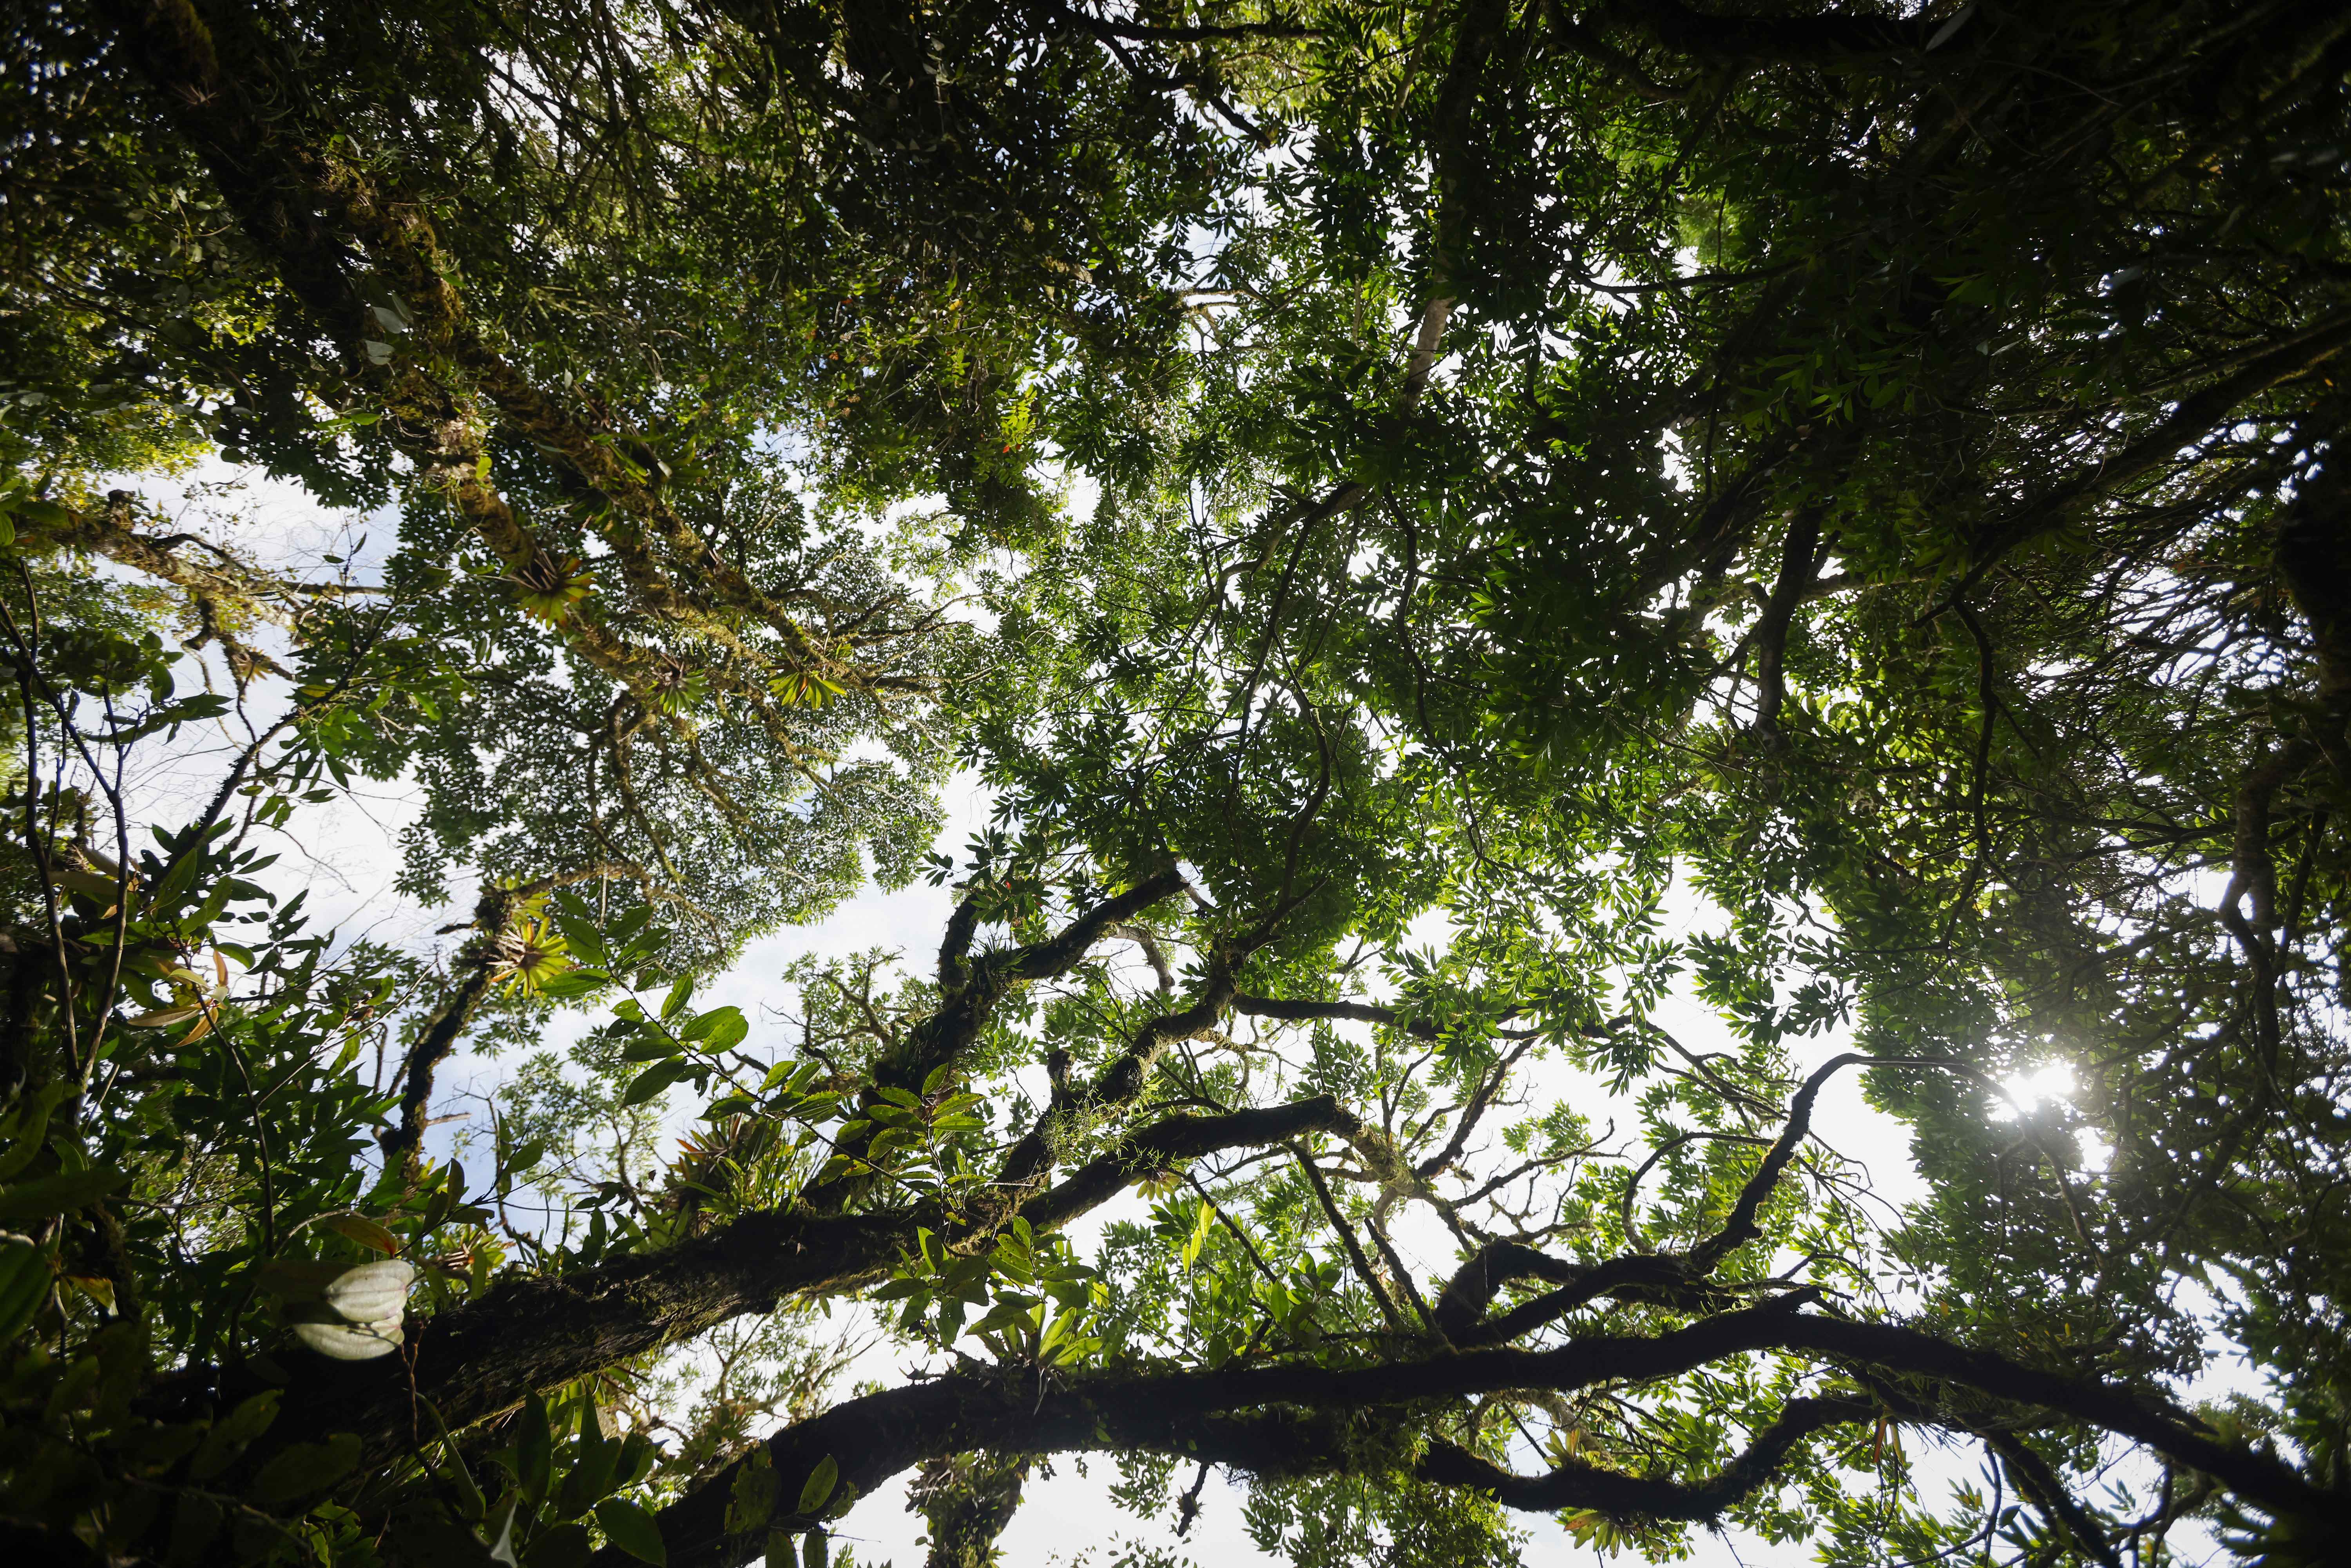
x=155 y=1448
x=24 y=1277
x=59 y=1194
x=818 y=1489
x=73 y=1389
x=1199 y=1237
x=651 y=1048
x=533 y=1450
x=502 y=1548
x=297 y=1278
x=251 y=1417
x=813 y=1547
x=232 y=1433
x=565 y=1546
x=655 y=1079
x=1008 y=1311
x=591 y=1474
x=632 y=1530
x=172 y=715
x=577 y=924
x=752 y=1500
x=574 y=983
x=637 y=1457
x=27 y=1126
x=88 y=883
x=307 y=1468
x=469 y=1494
x=720 y=1029
x=364 y=1231
x=434 y=1539
x=194 y=1523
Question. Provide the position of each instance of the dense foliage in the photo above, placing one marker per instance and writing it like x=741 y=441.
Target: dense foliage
x=1437 y=528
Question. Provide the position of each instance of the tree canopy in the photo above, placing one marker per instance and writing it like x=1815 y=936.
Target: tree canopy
x=1436 y=528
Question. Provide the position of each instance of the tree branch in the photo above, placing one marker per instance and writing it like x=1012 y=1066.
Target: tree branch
x=2036 y=1480
x=2191 y=420
x=1577 y=1486
x=1798 y=564
x=1180 y=1138
x=971 y=989
x=1647 y=1275
x=1120 y=1082
x=1740 y=1227
x=1301 y=1419
x=1355 y=1248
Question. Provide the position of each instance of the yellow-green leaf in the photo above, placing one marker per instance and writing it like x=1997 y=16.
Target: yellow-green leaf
x=364 y=1231
x=819 y=1486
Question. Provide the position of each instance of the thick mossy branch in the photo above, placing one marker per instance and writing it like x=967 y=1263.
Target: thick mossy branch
x=1299 y=1420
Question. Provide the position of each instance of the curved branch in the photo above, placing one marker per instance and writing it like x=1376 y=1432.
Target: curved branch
x=1576 y=1486
x=1044 y=960
x=1800 y=562
x=1740 y=1227
x=971 y=988
x=1230 y=1417
x=1481 y=1100
x=1291 y=1420
x=1177 y=1139
x=2191 y=419
x=1141 y=935
x=2158 y=1423
x=1292 y=1011
x=483 y=1358
x=476 y=965
x=1649 y=1276
x=1677 y=1279
x=1346 y=1234
x=109 y=532
x=402 y=1146
x=2036 y=1480
x=474 y=1361
x=1120 y=1082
